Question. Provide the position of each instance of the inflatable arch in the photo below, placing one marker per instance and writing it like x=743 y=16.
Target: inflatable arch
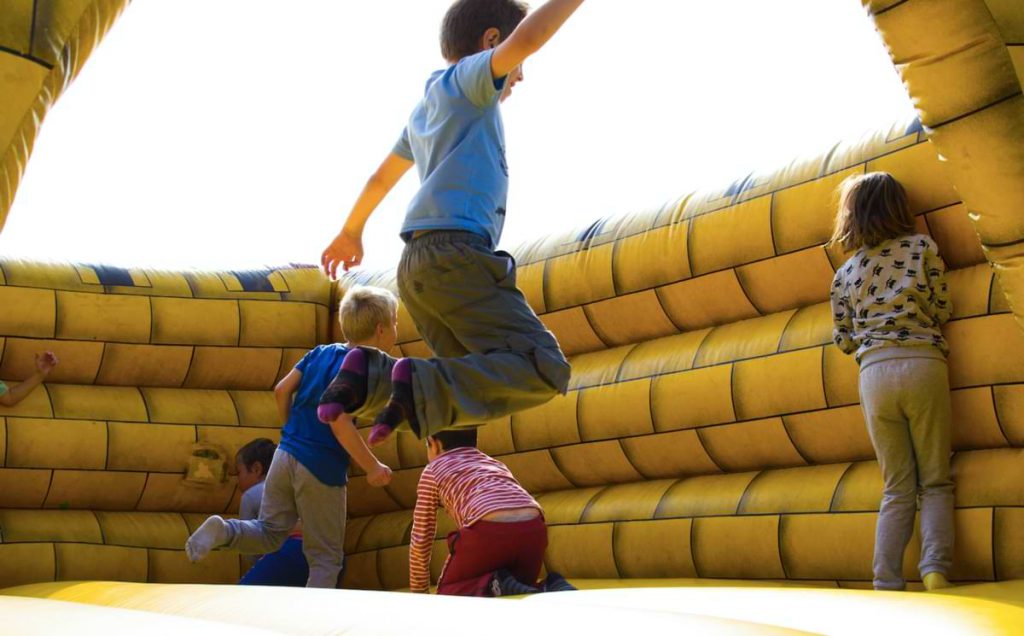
x=709 y=468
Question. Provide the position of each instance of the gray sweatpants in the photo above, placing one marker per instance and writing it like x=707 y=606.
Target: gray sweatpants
x=494 y=356
x=907 y=408
x=291 y=492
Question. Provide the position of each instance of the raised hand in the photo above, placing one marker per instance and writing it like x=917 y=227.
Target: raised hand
x=345 y=250
x=45 y=362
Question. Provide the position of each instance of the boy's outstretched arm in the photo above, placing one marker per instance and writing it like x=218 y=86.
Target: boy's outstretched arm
x=344 y=429
x=347 y=247
x=531 y=34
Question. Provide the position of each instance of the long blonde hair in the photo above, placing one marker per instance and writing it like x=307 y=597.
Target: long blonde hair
x=872 y=209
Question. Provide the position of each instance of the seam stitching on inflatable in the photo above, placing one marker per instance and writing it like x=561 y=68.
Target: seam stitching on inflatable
x=48 y=487
x=661 y=500
x=785 y=328
x=789 y=436
x=746 y=491
x=234 y=405
x=99 y=527
x=142 y=492
x=99 y=367
x=622 y=366
x=1004 y=244
x=693 y=547
x=615 y=556
x=664 y=309
x=995 y=561
x=188 y=369
x=732 y=393
x=889 y=8
x=629 y=461
x=1007 y=98
x=600 y=336
x=558 y=466
x=839 y=486
x=746 y=294
x=999 y=421
x=778 y=543
x=771 y=224
x=590 y=502
x=704 y=446
x=27 y=57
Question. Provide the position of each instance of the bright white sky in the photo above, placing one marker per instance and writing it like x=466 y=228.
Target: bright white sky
x=237 y=133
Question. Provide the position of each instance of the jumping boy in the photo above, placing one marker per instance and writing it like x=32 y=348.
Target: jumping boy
x=495 y=356
x=499 y=546
x=309 y=470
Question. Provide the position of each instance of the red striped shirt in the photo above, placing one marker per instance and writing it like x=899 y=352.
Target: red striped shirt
x=470 y=485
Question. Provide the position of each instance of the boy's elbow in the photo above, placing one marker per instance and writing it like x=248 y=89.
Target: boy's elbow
x=7 y=400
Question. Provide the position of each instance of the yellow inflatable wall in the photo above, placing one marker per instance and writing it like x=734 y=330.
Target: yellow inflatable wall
x=712 y=434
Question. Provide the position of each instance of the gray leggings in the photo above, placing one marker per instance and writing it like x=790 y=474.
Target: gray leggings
x=907 y=408
x=292 y=492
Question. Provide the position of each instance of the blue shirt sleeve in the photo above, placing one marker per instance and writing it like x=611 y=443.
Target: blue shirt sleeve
x=402 y=147
x=3 y=388
x=301 y=365
x=473 y=75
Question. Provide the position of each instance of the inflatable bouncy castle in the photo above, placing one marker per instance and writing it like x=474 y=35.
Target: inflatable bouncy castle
x=709 y=468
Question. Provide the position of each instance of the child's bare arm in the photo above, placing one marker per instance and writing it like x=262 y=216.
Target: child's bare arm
x=45 y=362
x=347 y=247
x=283 y=393
x=344 y=429
x=531 y=34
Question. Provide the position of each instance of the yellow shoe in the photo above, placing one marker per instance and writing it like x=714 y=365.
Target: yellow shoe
x=936 y=581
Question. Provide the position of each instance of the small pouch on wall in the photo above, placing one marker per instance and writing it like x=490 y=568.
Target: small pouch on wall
x=207 y=466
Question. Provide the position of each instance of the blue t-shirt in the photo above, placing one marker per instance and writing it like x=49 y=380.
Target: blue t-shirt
x=305 y=437
x=457 y=140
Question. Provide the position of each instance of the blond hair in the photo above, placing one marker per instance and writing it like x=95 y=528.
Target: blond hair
x=872 y=209
x=363 y=308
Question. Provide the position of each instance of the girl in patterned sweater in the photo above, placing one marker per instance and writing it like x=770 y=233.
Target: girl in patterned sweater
x=888 y=302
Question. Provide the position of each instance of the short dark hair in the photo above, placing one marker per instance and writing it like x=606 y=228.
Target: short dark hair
x=456 y=438
x=259 y=450
x=467 y=20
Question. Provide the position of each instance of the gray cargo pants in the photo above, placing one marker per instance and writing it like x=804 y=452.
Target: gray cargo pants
x=494 y=356
x=292 y=492
x=907 y=408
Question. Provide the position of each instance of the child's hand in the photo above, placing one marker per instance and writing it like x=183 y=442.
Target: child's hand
x=346 y=250
x=45 y=362
x=379 y=476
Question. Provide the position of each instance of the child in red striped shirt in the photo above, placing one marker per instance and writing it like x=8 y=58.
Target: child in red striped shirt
x=499 y=546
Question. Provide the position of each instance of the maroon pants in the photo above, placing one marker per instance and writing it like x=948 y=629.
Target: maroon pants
x=476 y=552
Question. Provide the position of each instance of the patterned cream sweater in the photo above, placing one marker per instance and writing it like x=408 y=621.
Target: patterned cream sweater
x=891 y=295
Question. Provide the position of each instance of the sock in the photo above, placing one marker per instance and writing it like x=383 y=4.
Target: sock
x=504 y=584
x=214 y=533
x=347 y=392
x=400 y=407
x=555 y=582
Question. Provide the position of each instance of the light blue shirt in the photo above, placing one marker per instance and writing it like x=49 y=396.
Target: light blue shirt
x=457 y=140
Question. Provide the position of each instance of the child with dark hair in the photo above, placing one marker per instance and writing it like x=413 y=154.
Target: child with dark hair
x=286 y=567
x=493 y=355
x=888 y=302
x=499 y=546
